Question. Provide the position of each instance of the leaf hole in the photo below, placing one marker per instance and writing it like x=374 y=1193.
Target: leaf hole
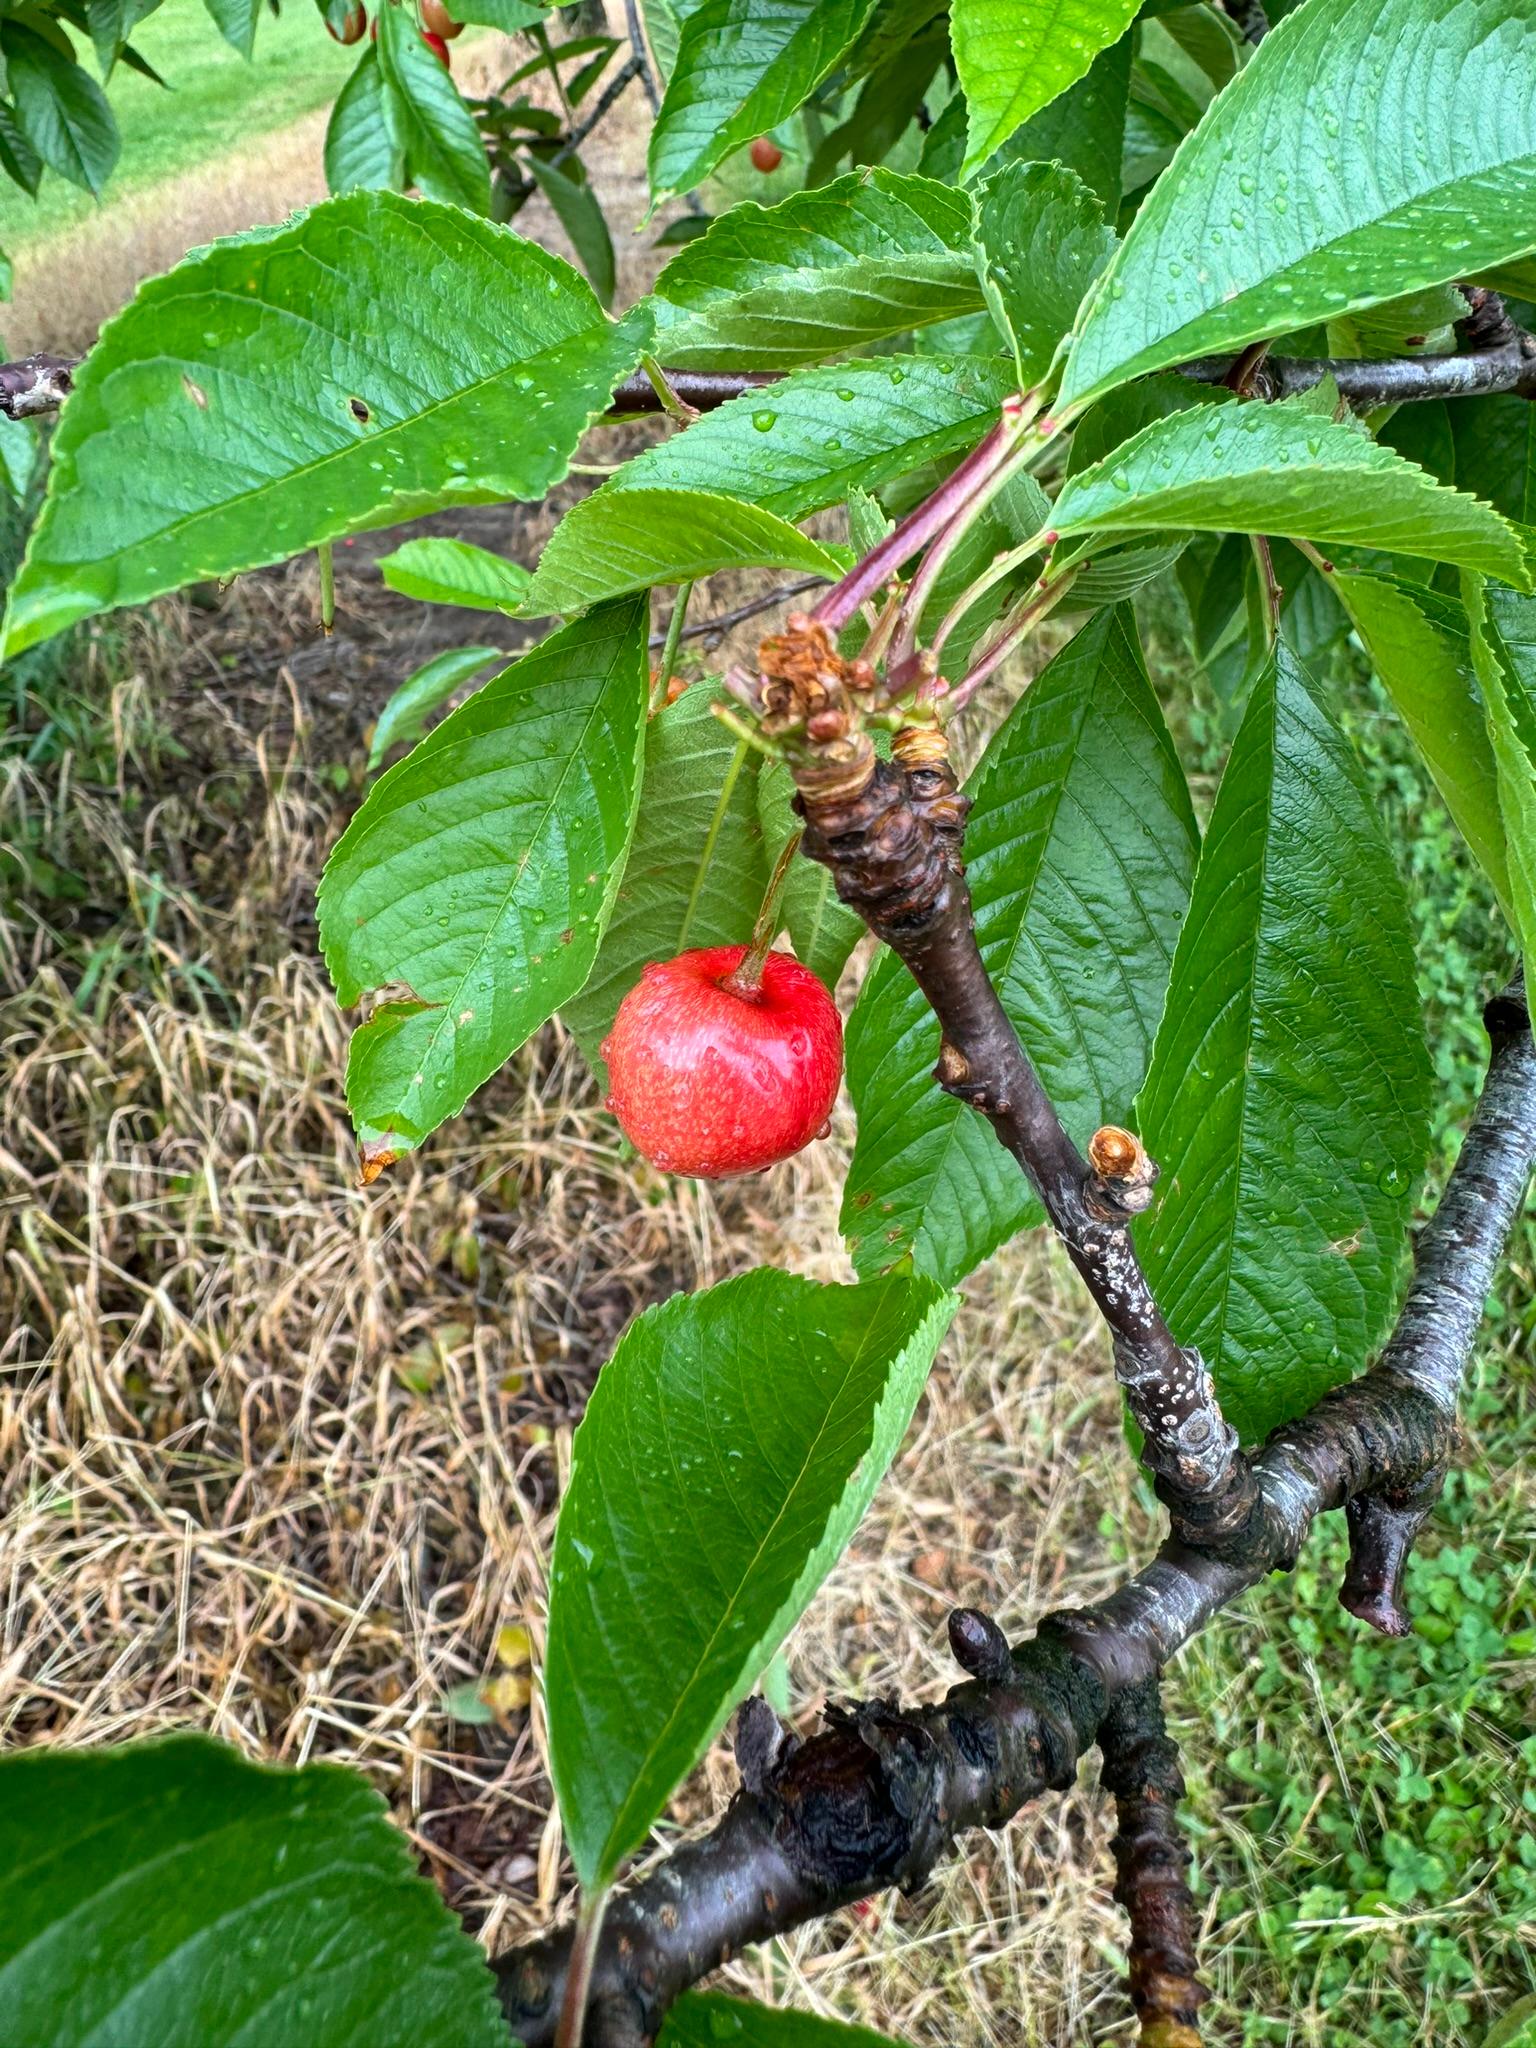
x=359 y=410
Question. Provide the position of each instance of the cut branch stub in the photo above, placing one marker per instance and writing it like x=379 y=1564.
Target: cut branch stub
x=1382 y=1530
x=979 y=1645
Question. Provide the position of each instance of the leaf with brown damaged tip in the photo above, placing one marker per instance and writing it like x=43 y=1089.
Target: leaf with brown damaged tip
x=372 y=1160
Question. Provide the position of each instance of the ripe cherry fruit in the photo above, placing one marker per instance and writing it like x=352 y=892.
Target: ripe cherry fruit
x=712 y=1076
x=437 y=46
x=766 y=154
x=435 y=16
x=354 y=23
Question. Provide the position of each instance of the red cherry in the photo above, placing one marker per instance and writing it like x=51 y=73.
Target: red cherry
x=435 y=16
x=766 y=154
x=354 y=22
x=709 y=1081
x=437 y=46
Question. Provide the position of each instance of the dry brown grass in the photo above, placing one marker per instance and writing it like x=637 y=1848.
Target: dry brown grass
x=66 y=285
x=280 y=1456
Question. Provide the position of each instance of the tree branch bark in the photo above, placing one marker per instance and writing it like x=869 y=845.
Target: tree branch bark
x=880 y=1794
x=39 y=384
x=36 y=385
x=1141 y=1770
x=893 y=847
x=1397 y=380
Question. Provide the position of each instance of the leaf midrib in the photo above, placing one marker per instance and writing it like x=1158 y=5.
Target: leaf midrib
x=1249 y=997
x=747 y=1578
x=316 y=468
x=450 y=1004
x=1044 y=34
x=1135 y=366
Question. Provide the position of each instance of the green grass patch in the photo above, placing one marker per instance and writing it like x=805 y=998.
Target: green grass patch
x=1363 y=1812
x=217 y=105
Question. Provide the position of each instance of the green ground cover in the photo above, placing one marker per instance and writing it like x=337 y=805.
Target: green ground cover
x=216 y=103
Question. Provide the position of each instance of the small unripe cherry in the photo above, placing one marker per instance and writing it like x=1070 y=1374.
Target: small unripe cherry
x=435 y=16
x=353 y=26
x=438 y=47
x=710 y=1079
x=766 y=154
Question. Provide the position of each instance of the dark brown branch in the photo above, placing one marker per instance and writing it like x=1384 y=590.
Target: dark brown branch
x=1251 y=19
x=704 y=390
x=879 y=1795
x=1434 y=1334
x=1397 y=380
x=36 y=385
x=892 y=847
x=1141 y=1769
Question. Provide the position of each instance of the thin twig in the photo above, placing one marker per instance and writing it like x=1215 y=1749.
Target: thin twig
x=722 y=622
x=40 y=383
x=1396 y=380
x=703 y=390
x=642 y=55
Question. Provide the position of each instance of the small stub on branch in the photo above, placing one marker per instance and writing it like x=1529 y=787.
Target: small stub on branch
x=38 y=385
x=761 y=1742
x=1121 y=1174
x=921 y=746
x=1382 y=1529
x=980 y=1648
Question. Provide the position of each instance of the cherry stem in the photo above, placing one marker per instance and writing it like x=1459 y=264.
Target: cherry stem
x=327 y=588
x=674 y=407
x=943 y=546
x=1315 y=556
x=1000 y=567
x=663 y=680
x=578 y=1983
x=1042 y=599
x=746 y=978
